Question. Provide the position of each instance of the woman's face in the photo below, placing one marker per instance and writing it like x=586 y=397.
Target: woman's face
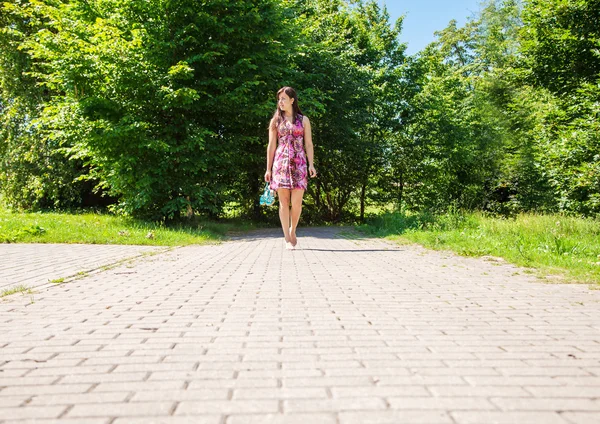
x=285 y=103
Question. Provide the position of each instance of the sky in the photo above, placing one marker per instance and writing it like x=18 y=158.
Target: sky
x=424 y=17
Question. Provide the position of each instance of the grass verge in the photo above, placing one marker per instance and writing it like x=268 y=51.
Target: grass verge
x=94 y=228
x=553 y=244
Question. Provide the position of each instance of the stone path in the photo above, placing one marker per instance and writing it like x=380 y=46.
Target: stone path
x=35 y=265
x=343 y=330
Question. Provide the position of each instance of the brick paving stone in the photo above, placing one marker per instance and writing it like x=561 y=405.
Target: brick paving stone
x=227 y=407
x=13 y=401
x=104 y=378
x=345 y=329
x=192 y=375
x=45 y=389
x=25 y=381
x=32 y=412
x=49 y=371
x=382 y=392
x=181 y=395
x=196 y=419
x=479 y=391
x=396 y=417
x=578 y=381
x=450 y=403
x=234 y=384
x=280 y=393
x=491 y=417
x=138 y=409
x=139 y=386
x=60 y=421
x=418 y=380
x=14 y=372
x=77 y=399
x=333 y=405
x=548 y=404
x=348 y=381
x=316 y=418
x=565 y=391
x=237 y=366
x=581 y=417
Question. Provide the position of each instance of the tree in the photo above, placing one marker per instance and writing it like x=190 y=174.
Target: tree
x=350 y=60
x=560 y=43
x=33 y=173
x=160 y=99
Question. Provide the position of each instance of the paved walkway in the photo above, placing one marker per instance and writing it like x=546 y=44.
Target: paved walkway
x=35 y=265
x=343 y=330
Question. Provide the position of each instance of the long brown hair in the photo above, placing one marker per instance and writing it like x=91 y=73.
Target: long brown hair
x=278 y=116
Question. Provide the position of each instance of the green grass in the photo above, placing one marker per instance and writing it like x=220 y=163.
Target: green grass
x=94 y=228
x=58 y=281
x=16 y=289
x=553 y=244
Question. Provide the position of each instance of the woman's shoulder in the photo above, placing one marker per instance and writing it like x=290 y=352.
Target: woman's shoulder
x=305 y=119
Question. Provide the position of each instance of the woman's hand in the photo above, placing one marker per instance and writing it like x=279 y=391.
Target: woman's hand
x=312 y=171
x=268 y=176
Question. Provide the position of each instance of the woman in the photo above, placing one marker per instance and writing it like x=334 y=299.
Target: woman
x=289 y=136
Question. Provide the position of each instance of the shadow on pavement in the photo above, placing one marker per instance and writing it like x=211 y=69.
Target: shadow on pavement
x=351 y=250
x=348 y=233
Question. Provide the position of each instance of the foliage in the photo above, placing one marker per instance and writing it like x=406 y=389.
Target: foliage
x=159 y=100
x=507 y=131
x=350 y=59
x=35 y=174
x=561 y=42
x=560 y=57
x=162 y=107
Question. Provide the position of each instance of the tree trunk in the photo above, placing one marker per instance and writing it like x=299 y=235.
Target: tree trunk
x=362 y=201
x=400 y=190
x=318 y=195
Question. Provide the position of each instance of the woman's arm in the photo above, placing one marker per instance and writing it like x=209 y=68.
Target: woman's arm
x=308 y=144
x=271 y=150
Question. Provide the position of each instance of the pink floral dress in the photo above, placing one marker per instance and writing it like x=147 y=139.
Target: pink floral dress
x=289 y=167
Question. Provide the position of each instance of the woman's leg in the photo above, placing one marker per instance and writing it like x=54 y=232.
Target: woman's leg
x=284 y=211
x=296 y=210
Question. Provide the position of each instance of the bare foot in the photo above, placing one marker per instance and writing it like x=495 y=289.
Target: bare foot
x=293 y=238
x=288 y=244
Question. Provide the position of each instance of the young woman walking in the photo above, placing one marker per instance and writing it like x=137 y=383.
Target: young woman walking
x=290 y=144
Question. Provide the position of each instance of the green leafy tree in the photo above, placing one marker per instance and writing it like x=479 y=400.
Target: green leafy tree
x=349 y=60
x=560 y=45
x=447 y=151
x=560 y=42
x=160 y=99
x=34 y=174
x=519 y=182
x=383 y=59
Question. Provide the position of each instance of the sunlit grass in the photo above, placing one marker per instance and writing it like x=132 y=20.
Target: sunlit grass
x=21 y=288
x=554 y=244
x=95 y=228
